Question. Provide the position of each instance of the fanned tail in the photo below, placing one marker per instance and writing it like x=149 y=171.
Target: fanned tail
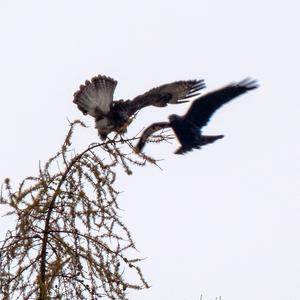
x=95 y=96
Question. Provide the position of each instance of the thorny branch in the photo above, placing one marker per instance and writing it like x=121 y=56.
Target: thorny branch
x=69 y=241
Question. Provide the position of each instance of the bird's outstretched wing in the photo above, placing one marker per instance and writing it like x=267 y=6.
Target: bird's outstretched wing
x=203 y=108
x=95 y=96
x=174 y=93
x=148 y=132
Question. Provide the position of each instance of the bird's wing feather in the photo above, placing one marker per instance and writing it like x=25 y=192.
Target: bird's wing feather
x=148 y=132
x=174 y=93
x=95 y=96
x=203 y=108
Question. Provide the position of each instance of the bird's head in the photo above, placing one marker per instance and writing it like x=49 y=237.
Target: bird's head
x=173 y=117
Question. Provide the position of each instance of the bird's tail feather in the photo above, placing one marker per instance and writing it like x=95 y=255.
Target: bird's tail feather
x=205 y=140
x=208 y=139
x=95 y=96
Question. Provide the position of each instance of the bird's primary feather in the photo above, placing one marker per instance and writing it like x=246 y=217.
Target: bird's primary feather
x=172 y=93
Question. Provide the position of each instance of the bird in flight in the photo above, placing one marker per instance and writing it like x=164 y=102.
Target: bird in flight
x=187 y=128
x=95 y=98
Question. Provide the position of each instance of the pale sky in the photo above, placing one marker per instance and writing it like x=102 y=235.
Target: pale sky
x=221 y=221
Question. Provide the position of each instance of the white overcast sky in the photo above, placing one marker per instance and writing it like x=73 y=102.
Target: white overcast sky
x=221 y=221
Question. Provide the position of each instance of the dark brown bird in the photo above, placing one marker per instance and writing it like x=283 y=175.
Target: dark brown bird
x=187 y=128
x=95 y=98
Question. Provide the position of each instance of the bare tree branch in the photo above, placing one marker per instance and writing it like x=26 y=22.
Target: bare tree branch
x=69 y=241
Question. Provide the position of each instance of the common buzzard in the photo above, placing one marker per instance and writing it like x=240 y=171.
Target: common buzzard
x=95 y=98
x=187 y=128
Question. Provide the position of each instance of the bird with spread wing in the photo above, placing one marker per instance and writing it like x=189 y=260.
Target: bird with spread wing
x=187 y=128
x=95 y=98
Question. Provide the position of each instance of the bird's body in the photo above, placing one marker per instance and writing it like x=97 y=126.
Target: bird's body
x=96 y=99
x=116 y=120
x=187 y=133
x=187 y=128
